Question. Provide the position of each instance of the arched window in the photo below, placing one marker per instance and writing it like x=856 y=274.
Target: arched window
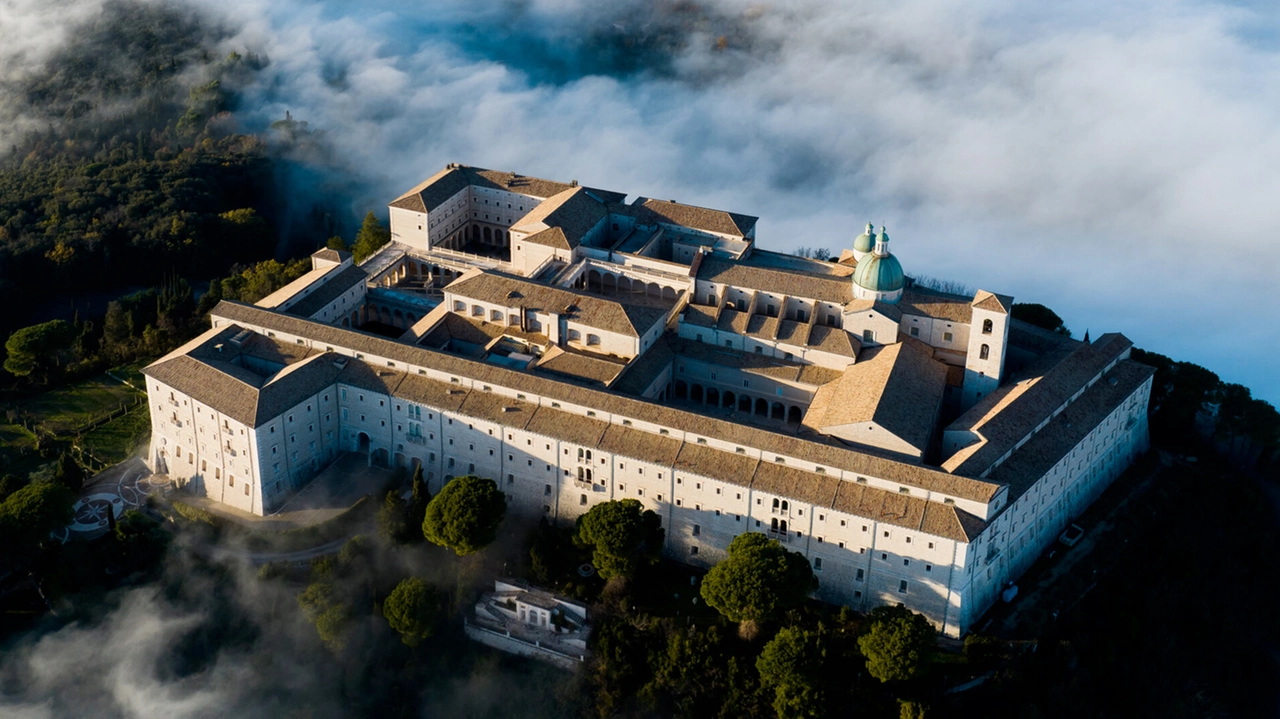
x=785 y=506
x=986 y=327
x=574 y=335
x=593 y=339
x=985 y=352
x=775 y=504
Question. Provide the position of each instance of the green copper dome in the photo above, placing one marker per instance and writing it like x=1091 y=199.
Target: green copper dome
x=866 y=241
x=879 y=274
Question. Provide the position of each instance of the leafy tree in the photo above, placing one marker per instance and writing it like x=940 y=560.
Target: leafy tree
x=372 y=235
x=332 y=624
x=909 y=709
x=465 y=515
x=254 y=283
x=419 y=501
x=898 y=643
x=28 y=515
x=393 y=525
x=790 y=665
x=68 y=473
x=39 y=349
x=698 y=674
x=758 y=580
x=336 y=243
x=9 y=484
x=324 y=608
x=623 y=534
x=1040 y=316
x=141 y=538
x=412 y=609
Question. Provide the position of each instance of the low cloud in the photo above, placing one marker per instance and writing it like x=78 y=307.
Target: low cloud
x=1115 y=161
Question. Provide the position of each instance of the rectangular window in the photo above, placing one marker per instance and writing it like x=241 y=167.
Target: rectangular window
x=693 y=550
x=860 y=575
x=902 y=587
x=817 y=564
x=946 y=337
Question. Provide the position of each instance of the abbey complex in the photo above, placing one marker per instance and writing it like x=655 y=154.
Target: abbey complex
x=918 y=447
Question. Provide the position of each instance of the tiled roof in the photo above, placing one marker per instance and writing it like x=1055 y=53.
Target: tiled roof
x=583 y=431
x=884 y=308
x=498 y=408
x=437 y=189
x=744 y=435
x=580 y=366
x=1004 y=417
x=984 y=300
x=330 y=290
x=753 y=363
x=331 y=255
x=641 y=371
x=609 y=315
x=743 y=274
x=700 y=315
x=834 y=340
x=927 y=303
x=898 y=387
x=1034 y=459
x=551 y=237
x=700 y=218
x=574 y=211
x=785 y=481
x=716 y=464
x=640 y=445
x=244 y=395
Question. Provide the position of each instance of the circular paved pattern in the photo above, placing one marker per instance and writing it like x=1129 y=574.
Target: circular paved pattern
x=91 y=512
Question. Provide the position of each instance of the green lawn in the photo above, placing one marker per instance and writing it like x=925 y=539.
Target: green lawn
x=14 y=439
x=117 y=440
x=73 y=406
x=132 y=373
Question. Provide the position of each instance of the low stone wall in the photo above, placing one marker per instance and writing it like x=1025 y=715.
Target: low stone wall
x=514 y=645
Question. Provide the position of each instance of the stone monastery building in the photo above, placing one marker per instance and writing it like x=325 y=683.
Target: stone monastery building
x=918 y=447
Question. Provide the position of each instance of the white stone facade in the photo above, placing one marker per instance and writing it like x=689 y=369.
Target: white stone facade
x=248 y=412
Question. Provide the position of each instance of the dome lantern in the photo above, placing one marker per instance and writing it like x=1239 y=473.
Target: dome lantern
x=879 y=275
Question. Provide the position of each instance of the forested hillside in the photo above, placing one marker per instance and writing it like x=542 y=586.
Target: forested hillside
x=133 y=165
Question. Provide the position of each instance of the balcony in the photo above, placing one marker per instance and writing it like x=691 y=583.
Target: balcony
x=415 y=438
x=580 y=484
x=229 y=452
x=784 y=537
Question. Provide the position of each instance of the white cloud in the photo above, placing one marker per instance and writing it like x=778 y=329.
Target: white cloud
x=1115 y=161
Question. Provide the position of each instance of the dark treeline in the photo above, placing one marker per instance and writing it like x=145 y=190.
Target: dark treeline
x=137 y=168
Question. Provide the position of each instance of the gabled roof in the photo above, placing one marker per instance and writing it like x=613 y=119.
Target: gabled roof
x=224 y=378
x=743 y=274
x=1064 y=432
x=592 y=310
x=992 y=302
x=898 y=387
x=574 y=211
x=437 y=189
x=764 y=440
x=700 y=218
x=938 y=305
x=331 y=255
x=1012 y=412
x=330 y=290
